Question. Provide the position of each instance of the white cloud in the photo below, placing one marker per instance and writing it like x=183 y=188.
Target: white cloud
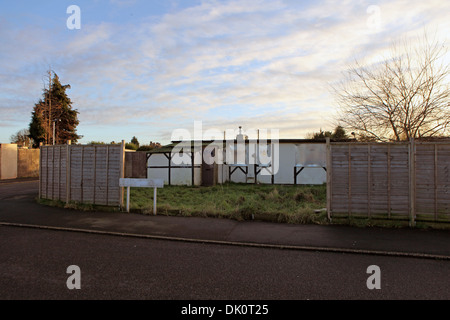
x=90 y=37
x=250 y=61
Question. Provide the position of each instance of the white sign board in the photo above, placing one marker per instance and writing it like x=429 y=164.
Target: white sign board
x=141 y=183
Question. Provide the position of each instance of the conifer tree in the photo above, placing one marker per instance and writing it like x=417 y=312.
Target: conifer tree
x=36 y=129
x=54 y=113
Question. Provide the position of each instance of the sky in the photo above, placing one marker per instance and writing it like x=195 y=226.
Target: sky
x=147 y=68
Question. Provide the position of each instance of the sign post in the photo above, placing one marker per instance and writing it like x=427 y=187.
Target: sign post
x=141 y=183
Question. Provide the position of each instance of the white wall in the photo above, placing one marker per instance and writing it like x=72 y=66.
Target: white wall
x=311 y=153
x=179 y=176
x=8 y=161
x=290 y=154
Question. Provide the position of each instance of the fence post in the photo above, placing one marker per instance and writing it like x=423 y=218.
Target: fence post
x=412 y=183
x=329 y=182
x=122 y=172
x=68 y=188
x=40 y=170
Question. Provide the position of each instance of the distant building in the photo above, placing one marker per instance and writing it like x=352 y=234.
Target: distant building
x=293 y=161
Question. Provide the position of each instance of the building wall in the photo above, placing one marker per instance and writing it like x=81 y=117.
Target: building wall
x=290 y=154
x=311 y=154
x=8 y=161
x=27 y=163
x=178 y=176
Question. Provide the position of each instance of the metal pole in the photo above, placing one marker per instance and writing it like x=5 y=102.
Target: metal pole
x=128 y=199
x=154 y=201
x=121 y=172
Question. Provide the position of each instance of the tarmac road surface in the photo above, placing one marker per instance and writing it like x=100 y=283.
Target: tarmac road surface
x=34 y=264
x=127 y=256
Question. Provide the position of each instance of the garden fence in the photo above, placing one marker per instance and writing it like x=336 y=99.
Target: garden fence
x=82 y=173
x=409 y=180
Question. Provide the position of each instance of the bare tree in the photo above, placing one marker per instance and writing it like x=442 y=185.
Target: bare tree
x=404 y=96
x=22 y=138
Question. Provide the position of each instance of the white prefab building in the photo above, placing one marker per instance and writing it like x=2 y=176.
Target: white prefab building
x=288 y=161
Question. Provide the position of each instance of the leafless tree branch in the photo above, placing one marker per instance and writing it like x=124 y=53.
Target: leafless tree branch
x=404 y=96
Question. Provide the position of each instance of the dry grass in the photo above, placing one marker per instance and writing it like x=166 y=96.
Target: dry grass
x=283 y=203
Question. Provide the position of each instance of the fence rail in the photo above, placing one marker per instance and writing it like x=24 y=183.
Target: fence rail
x=408 y=180
x=82 y=173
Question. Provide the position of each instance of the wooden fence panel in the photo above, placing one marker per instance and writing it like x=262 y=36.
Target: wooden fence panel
x=88 y=172
x=399 y=181
x=101 y=173
x=115 y=172
x=341 y=186
x=378 y=179
x=390 y=180
x=425 y=179
x=63 y=173
x=433 y=181
x=43 y=168
x=443 y=181
x=359 y=195
x=136 y=164
x=76 y=178
x=50 y=169
x=82 y=173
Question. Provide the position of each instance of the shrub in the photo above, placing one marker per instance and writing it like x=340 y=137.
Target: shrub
x=131 y=146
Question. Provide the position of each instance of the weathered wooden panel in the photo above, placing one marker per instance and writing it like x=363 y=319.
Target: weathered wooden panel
x=376 y=178
x=63 y=173
x=366 y=183
x=83 y=173
x=430 y=159
x=136 y=165
x=43 y=173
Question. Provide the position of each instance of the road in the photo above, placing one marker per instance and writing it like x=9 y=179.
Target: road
x=18 y=189
x=34 y=262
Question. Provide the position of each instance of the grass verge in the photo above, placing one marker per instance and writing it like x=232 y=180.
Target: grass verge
x=296 y=204
x=280 y=203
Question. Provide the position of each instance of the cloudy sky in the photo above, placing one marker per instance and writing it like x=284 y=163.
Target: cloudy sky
x=147 y=67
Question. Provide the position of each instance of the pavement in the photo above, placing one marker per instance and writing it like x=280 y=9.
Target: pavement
x=18 y=208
